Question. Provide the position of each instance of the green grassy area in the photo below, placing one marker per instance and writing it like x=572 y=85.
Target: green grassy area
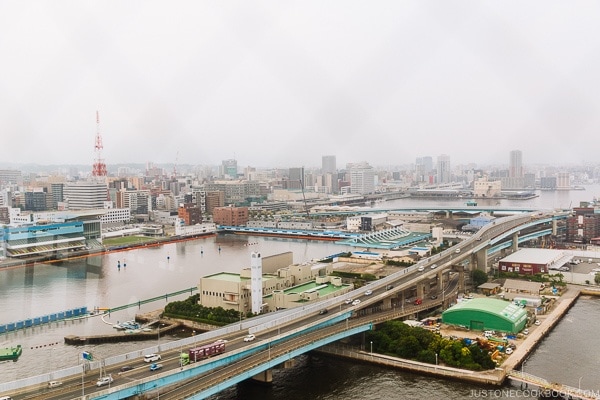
x=125 y=240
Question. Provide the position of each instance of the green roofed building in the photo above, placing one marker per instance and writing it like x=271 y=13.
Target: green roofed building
x=486 y=314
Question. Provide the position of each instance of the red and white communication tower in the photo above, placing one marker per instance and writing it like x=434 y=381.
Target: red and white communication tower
x=99 y=168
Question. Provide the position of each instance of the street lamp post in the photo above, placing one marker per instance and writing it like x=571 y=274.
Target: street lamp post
x=371 y=349
x=436 y=360
x=523 y=366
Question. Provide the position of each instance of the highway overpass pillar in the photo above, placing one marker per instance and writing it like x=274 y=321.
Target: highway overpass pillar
x=265 y=376
x=554 y=227
x=515 y=241
x=481 y=260
x=387 y=303
x=420 y=290
x=461 y=279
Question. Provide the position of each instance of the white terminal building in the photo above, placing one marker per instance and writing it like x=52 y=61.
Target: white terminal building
x=271 y=283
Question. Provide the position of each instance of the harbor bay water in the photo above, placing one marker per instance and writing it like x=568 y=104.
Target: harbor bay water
x=97 y=282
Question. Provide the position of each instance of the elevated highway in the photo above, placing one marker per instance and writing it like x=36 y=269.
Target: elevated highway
x=282 y=335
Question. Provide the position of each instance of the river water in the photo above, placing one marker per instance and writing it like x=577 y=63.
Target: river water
x=567 y=355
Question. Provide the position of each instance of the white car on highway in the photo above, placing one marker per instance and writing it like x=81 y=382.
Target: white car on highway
x=151 y=357
x=105 y=380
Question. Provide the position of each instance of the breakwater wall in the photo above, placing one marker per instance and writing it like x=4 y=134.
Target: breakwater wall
x=79 y=312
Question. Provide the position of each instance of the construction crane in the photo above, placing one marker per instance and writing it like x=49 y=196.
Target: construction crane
x=303 y=195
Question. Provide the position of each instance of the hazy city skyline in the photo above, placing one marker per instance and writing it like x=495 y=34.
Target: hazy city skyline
x=280 y=84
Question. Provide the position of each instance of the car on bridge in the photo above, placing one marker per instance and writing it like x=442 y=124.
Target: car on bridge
x=433 y=266
x=155 y=367
x=356 y=302
x=151 y=357
x=323 y=311
x=348 y=301
x=421 y=268
x=249 y=338
x=105 y=380
x=368 y=292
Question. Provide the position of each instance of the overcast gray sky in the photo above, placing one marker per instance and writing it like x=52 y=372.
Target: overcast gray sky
x=281 y=83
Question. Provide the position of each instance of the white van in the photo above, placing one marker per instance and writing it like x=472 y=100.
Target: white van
x=6 y=398
x=150 y=358
x=53 y=384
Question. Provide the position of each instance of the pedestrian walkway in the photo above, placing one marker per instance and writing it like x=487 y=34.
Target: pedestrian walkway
x=553 y=389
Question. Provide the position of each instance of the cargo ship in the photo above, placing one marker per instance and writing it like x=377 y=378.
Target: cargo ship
x=10 y=353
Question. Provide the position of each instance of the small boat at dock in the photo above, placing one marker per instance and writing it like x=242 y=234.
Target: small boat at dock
x=127 y=325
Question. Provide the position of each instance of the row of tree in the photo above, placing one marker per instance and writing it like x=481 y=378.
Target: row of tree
x=190 y=309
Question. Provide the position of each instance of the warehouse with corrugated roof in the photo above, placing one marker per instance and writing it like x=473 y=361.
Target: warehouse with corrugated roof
x=533 y=261
x=486 y=314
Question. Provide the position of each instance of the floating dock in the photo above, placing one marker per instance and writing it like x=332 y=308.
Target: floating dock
x=11 y=353
x=120 y=337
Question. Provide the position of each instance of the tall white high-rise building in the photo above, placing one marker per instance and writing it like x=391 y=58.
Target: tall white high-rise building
x=444 y=173
x=362 y=178
x=85 y=195
x=515 y=169
x=256 y=286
